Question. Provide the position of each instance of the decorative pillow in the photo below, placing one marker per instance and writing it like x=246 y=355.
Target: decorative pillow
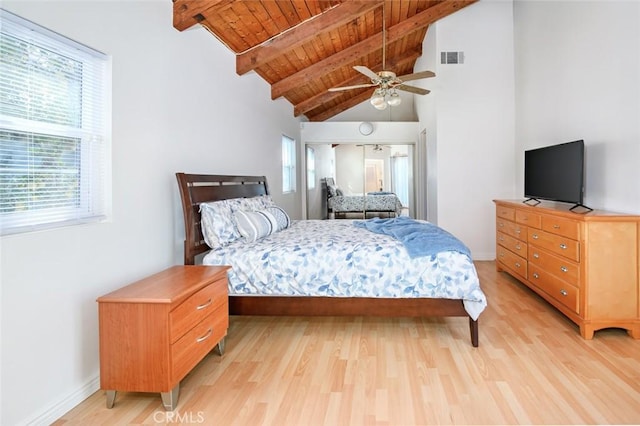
x=332 y=190
x=255 y=225
x=281 y=216
x=339 y=192
x=252 y=204
x=218 y=227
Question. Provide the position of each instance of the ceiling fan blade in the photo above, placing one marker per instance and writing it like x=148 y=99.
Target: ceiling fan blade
x=412 y=89
x=357 y=86
x=366 y=71
x=417 y=75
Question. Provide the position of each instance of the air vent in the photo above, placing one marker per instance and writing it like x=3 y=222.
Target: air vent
x=452 y=57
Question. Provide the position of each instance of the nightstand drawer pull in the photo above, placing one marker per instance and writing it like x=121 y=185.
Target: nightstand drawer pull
x=564 y=269
x=208 y=302
x=536 y=256
x=563 y=246
x=205 y=337
x=563 y=292
x=535 y=275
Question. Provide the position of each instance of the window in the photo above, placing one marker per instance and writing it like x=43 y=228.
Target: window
x=53 y=129
x=311 y=168
x=288 y=164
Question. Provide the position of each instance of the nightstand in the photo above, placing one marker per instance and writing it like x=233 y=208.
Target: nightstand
x=154 y=331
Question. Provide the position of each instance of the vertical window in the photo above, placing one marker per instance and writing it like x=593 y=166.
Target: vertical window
x=53 y=129
x=311 y=168
x=288 y=164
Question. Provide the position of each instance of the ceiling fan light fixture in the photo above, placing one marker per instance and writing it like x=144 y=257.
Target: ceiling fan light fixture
x=377 y=100
x=394 y=99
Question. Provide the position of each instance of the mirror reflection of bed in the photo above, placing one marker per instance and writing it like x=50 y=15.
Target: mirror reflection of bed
x=355 y=181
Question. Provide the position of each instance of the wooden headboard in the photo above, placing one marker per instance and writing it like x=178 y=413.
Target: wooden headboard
x=196 y=189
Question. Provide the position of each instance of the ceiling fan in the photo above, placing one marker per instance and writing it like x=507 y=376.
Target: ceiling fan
x=387 y=81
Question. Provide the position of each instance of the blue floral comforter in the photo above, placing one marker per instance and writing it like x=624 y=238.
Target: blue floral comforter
x=336 y=259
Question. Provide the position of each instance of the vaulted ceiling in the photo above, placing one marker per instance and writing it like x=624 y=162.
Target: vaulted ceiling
x=304 y=47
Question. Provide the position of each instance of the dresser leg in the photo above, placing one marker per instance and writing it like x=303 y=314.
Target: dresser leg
x=111 y=398
x=170 y=399
x=220 y=346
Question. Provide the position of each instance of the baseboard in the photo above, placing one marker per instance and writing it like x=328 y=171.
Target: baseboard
x=58 y=409
x=484 y=256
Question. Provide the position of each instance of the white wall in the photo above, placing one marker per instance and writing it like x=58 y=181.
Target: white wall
x=579 y=78
x=177 y=106
x=470 y=115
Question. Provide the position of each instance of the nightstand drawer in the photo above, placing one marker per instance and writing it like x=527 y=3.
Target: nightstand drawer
x=193 y=346
x=196 y=307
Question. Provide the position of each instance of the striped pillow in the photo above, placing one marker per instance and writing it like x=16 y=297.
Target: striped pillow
x=255 y=225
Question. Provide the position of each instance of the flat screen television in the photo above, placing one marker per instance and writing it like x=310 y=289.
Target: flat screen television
x=555 y=173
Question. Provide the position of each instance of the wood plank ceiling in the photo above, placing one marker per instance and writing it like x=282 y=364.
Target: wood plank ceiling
x=304 y=47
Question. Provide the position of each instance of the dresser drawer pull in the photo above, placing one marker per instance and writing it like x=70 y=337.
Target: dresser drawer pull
x=204 y=305
x=564 y=269
x=536 y=256
x=518 y=247
x=563 y=246
x=501 y=238
x=501 y=255
x=518 y=231
x=556 y=226
x=535 y=275
x=563 y=292
x=205 y=337
x=534 y=236
x=501 y=225
x=517 y=265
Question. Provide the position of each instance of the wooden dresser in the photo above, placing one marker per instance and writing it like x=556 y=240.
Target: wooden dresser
x=154 y=331
x=586 y=265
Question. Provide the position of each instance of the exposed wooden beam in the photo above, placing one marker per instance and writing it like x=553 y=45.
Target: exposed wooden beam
x=186 y=13
x=358 y=50
x=331 y=19
x=320 y=98
x=351 y=102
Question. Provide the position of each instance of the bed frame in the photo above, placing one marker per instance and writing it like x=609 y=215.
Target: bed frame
x=196 y=189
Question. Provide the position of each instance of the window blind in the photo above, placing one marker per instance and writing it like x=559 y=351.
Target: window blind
x=54 y=116
x=288 y=164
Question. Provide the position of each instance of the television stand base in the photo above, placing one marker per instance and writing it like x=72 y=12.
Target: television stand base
x=534 y=201
x=587 y=209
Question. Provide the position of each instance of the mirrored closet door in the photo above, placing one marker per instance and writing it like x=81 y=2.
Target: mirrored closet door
x=357 y=181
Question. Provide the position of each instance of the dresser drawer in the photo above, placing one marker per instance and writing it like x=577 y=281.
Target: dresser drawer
x=560 y=290
x=533 y=220
x=506 y=212
x=512 y=261
x=200 y=340
x=512 y=228
x=196 y=307
x=559 y=266
x=513 y=244
x=555 y=243
x=561 y=226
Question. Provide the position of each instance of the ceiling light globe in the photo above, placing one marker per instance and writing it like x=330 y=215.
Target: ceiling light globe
x=394 y=99
x=381 y=106
x=377 y=100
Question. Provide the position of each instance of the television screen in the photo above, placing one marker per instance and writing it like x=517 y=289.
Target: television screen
x=555 y=172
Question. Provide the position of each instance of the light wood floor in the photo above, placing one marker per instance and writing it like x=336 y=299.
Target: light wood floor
x=532 y=367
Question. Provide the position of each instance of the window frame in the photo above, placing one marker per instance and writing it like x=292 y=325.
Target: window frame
x=90 y=127
x=288 y=165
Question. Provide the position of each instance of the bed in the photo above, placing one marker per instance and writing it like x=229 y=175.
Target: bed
x=245 y=298
x=371 y=204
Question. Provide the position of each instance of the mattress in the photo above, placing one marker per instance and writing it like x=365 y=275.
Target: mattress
x=333 y=258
